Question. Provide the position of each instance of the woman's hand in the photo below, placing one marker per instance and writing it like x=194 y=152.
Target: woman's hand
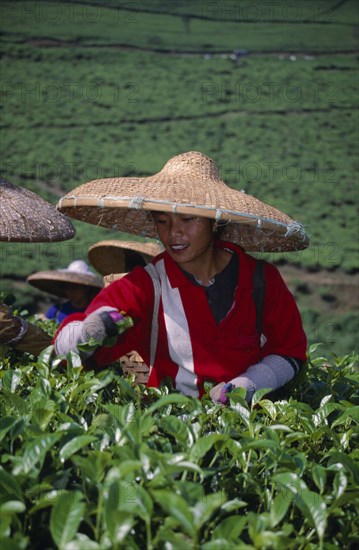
x=100 y=328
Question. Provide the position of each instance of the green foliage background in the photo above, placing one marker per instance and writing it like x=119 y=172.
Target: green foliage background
x=94 y=461
x=116 y=88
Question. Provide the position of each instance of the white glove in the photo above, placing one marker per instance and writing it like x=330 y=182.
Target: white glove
x=272 y=372
x=98 y=325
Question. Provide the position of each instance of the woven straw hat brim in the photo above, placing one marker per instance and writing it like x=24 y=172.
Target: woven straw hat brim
x=188 y=184
x=26 y=217
x=55 y=282
x=110 y=256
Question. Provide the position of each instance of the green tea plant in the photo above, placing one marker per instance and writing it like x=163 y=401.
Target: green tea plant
x=92 y=460
x=137 y=26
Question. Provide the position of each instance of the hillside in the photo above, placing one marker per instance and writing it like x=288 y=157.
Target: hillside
x=269 y=90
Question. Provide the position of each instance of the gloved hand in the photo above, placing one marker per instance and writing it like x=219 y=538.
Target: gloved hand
x=272 y=372
x=219 y=392
x=101 y=325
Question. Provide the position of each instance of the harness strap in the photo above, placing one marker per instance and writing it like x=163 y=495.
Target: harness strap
x=259 y=288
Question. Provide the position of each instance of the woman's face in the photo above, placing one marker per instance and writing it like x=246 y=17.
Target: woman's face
x=78 y=295
x=186 y=238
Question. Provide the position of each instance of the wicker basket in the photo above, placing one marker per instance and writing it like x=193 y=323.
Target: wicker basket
x=108 y=279
x=132 y=363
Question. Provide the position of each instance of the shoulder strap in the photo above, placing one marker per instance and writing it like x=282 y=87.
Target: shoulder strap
x=153 y=273
x=259 y=288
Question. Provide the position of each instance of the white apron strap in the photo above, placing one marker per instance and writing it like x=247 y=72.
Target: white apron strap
x=153 y=273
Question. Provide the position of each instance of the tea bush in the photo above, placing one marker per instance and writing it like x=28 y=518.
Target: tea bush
x=90 y=460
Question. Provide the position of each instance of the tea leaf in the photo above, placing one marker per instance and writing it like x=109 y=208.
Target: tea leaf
x=6 y=423
x=178 y=508
x=118 y=522
x=11 y=507
x=319 y=477
x=11 y=380
x=172 y=399
x=279 y=508
x=65 y=517
x=340 y=483
x=351 y=412
x=257 y=397
x=348 y=463
x=34 y=454
x=9 y=486
x=314 y=509
x=311 y=504
x=74 y=445
x=227 y=531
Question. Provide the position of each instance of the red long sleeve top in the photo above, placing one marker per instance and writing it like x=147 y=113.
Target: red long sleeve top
x=192 y=347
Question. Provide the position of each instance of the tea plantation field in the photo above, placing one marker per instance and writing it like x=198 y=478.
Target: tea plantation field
x=269 y=90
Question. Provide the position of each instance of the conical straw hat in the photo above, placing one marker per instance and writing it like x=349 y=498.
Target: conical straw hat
x=189 y=184
x=26 y=217
x=55 y=281
x=110 y=256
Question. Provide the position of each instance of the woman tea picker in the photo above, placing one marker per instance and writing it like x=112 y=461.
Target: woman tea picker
x=193 y=312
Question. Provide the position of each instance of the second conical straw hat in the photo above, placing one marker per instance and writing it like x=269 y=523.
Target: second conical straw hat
x=110 y=256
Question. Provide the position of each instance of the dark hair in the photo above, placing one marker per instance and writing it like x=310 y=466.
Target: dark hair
x=92 y=291
x=133 y=259
x=218 y=231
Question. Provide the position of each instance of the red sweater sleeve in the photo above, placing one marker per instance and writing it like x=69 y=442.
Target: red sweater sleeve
x=132 y=294
x=67 y=320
